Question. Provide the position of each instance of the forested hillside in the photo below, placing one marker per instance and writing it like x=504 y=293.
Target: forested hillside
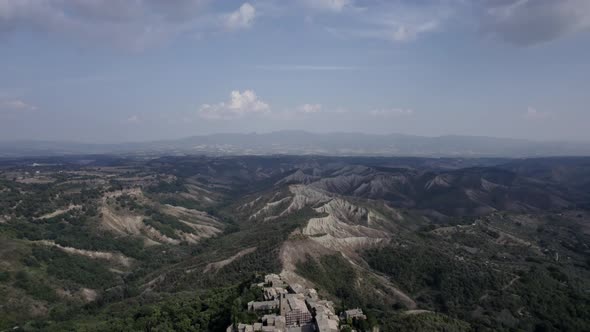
x=98 y=243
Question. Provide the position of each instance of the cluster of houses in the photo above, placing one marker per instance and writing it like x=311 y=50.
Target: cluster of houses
x=293 y=308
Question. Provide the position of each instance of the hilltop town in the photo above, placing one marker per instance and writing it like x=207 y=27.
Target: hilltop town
x=294 y=308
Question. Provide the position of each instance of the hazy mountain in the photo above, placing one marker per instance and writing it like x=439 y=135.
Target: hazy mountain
x=306 y=143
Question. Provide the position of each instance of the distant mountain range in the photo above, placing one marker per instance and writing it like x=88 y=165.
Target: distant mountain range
x=307 y=143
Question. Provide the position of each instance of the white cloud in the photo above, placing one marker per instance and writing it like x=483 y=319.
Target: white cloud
x=241 y=18
x=408 y=32
x=394 y=112
x=133 y=119
x=328 y=5
x=533 y=114
x=140 y=24
x=129 y=24
x=306 y=67
x=239 y=105
x=529 y=22
x=519 y=22
x=309 y=108
x=395 y=21
x=16 y=105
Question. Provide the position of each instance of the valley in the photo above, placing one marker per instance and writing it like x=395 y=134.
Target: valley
x=103 y=243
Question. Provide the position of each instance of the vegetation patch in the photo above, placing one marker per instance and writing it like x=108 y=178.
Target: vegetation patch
x=166 y=224
x=424 y=322
x=334 y=275
x=79 y=269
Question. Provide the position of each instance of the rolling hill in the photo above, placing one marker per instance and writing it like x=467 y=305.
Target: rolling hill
x=125 y=243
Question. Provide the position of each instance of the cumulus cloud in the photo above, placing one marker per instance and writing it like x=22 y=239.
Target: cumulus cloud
x=241 y=18
x=533 y=114
x=16 y=105
x=394 y=112
x=309 y=108
x=240 y=104
x=529 y=22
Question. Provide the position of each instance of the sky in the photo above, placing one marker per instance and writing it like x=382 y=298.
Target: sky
x=136 y=70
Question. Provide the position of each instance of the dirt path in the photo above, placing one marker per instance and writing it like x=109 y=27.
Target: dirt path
x=58 y=212
x=511 y=283
x=400 y=295
x=110 y=256
x=213 y=267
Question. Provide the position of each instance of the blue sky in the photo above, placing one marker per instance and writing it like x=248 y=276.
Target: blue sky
x=132 y=70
